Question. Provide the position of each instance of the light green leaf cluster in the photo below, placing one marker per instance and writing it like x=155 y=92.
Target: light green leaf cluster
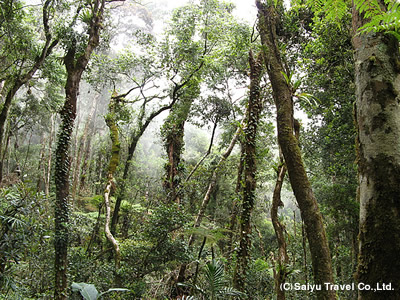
x=382 y=17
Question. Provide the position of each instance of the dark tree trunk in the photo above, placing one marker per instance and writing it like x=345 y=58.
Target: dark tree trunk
x=282 y=92
x=250 y=168
x=377 y=78
x=75 y=66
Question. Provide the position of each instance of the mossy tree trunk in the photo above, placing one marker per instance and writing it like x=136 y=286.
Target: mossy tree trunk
x=322 y=266
x=249 y=146
x=377 y=79
x=111 y=121
x=173 y=132
x=75 y=65
x=280 y=272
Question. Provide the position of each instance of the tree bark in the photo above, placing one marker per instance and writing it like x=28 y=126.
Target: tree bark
x=75 y=65
x=282 y=92
x=283 y=259
x=111 y=122
x=173 y=132
x=377 y=79
x=249 y=146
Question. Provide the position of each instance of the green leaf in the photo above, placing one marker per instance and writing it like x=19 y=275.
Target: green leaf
x=114 y=290
x=395 y=34
x=286 y=77
x=88 y=291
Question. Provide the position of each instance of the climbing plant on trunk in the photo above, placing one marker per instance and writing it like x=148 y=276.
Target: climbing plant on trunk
x=268 y=20
x=249 y=148
x=75 y=60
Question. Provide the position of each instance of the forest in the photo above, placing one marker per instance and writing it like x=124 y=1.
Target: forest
x=199 y=149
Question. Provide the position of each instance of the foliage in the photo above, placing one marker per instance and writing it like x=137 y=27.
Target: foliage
x=381 y=18
x=89 y=291
x=24 y=222
x=213 y=284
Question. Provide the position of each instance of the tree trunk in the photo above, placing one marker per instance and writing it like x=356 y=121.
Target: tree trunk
x=111 y=121
x=377 y=79
x=250 y=168
x=282 y=92
x=75 y=67
x=173 y=132
x=280 y=273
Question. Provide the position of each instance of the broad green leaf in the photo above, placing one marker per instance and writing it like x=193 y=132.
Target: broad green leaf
x=88 y=291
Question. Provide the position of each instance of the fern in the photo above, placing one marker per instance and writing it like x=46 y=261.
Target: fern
x=381 y=19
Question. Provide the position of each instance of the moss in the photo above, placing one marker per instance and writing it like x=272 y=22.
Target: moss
x=380 y=233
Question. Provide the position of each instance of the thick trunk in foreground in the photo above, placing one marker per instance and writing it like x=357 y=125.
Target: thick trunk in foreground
x=321 y=260
x=377 y=79
x=75 y=65
x=62 y=167
x=250 y=168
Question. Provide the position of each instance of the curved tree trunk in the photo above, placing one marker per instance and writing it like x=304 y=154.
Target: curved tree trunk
x=283 y=259
x=377 y=79
x=250 y=168
x=321 y=260
x=111 y=122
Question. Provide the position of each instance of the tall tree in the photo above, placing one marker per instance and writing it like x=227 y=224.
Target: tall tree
x=198 y=35
x=75 y=60
x=377 y=76
x=268 y=22
x=249 y=149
